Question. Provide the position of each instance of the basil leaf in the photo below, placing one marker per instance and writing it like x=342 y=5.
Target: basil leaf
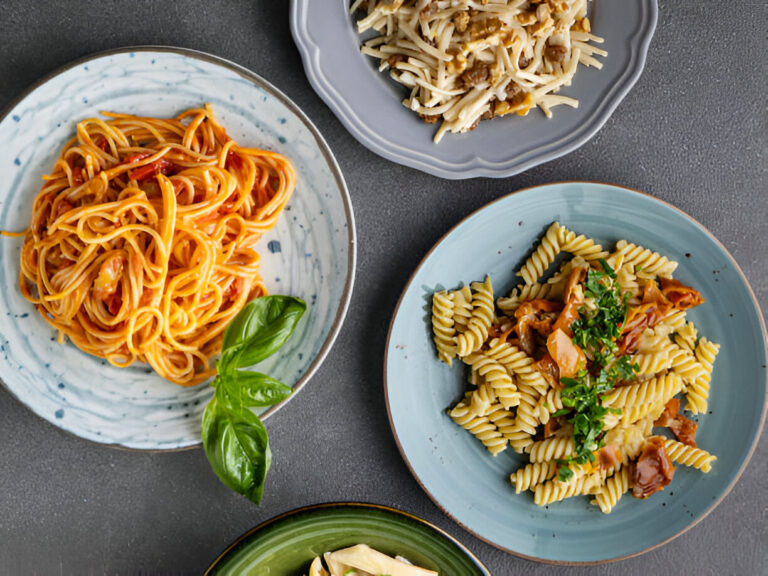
x=259 y=330
x=237 y=446
x=254 y=389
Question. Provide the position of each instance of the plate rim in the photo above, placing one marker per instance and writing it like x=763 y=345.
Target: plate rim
x=711 y=506
x=338 y=505
x=475 y=167
x=327 y=154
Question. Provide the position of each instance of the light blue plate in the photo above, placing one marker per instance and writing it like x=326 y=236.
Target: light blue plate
x=461 y=476
x=369 y=102
x=310 y=253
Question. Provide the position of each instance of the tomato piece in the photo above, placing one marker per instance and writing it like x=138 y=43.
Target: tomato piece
x=653 y=469
x=107 y=281
x=681 y=296
x=569 y=357
x=159 y=166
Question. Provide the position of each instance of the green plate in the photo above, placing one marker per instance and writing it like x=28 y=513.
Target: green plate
x=287 y=544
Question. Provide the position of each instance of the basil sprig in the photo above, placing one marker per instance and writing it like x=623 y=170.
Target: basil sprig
x=234 y=438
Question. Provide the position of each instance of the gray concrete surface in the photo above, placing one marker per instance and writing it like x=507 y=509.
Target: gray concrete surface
x=692 y=132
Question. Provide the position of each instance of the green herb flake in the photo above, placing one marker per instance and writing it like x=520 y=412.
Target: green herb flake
x=564 y=474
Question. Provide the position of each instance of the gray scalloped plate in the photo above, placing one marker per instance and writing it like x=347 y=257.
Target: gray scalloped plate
x=310 y=253
x=368 y=102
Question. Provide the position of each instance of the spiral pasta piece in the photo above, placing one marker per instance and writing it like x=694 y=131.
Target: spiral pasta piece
x=555 y=491
x=520 y=440
x=496 y=376
x=481 y=399
x=527 y=418
x=511 y=357
x=552 y=448
x=582 y=246
x=647 y=263
x=532 y=474
x=462 y=308
x=697 y=394
x=502 y=418
x=689 y=455
x=651 y=363
x=480 y=427
x=443 y=329
x=520 y=294
x=628 y=283
x=674 y=320
x=549 y=403
x=535 y=380
x=705 y=353
x=654 y=391
x=544 y=255
x=483 y=314
x=684 y=363
x=615 y=487
x=686 y=337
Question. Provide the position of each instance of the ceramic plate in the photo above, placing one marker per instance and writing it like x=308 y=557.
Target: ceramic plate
x=288 y=544
x=459 y=473
x=310 y=253
x=369 y=103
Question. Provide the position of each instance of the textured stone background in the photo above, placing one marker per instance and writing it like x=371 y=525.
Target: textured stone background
x=692 y=132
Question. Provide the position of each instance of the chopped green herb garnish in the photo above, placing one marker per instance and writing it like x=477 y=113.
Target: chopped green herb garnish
x=595 y=332
x=564 y=474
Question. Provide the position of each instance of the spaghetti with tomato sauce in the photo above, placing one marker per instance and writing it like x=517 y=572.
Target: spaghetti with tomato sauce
x=142 y=242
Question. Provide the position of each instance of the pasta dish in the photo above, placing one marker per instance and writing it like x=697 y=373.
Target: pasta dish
x=584 y=371
x=142 y=243
x=362 y=560
x=464 y=61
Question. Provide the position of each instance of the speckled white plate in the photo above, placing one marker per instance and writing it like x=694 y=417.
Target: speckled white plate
x=369 y=103
x=310 y=253
x=458 y=472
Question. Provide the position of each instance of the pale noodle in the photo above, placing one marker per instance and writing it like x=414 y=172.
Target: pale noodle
x=466 y=61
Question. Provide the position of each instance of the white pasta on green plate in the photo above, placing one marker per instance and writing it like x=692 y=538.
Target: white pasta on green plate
x=468 y=474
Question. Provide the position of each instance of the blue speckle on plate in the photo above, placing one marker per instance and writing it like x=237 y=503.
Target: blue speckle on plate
x=281 y=139
x=17 y=162
x=283 y=120
x=15 y=118
x=301 y=356
x=25 y=315
x=59 y=413
x=273 y=246
x=85 y=100
x=61 y=385
x=131 y=55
